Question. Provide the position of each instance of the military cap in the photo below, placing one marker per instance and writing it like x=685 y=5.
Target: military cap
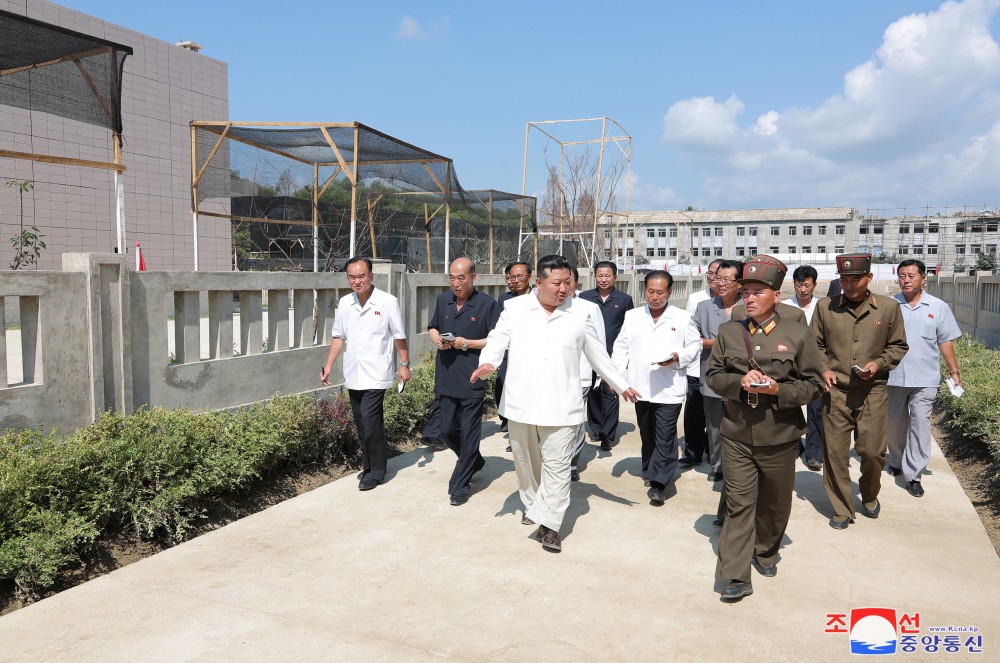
x=764 y=269
x=854 y=263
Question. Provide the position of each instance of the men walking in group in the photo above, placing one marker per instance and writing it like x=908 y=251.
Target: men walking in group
x=804 y=279
x=766 y=367
x=708 y=317
x=369 y=325
x=602 y=403
x=518 y=277
x=586 y=370
x=861 y=337
x=931 y=330
x=695 y=438
x=545 y=333
x=462 y=319
x=655 y=345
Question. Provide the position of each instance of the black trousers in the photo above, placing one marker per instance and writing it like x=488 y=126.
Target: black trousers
x=695 y=439
x=602 y=412
x=432 y=429
x=366 y=405
x=658 y=431
x=501 y=380
x=461 y=426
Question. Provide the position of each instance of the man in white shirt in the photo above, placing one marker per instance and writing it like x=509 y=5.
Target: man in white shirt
x=545 y=333
x=369 y=324
x=655 y=345
x=804 y=277
x=695 y=438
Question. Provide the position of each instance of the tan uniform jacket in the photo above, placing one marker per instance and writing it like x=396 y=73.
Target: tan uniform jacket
x=874 y=331
x=789 y=356
x=786 y=311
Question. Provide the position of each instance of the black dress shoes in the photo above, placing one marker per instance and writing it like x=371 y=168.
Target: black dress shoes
x=656 y=496
x=605 y=445
x=503 y=427
x=525 y=520
x=368 y=484
x=814 y=464
x=840 y=522
x=915 y=488
x=574 y=474
x=766 y=570
x=893 y=471
x=715 y=476
x=459 y=500
x=871 y=511
x=689 y=461
x=736 y=590
x=549 y=538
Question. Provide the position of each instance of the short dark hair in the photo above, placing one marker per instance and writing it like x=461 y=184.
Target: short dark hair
x=576 y=273
x=607 y=263
x=550 y=262
x=714 y=262
x=511 y=266
x=803 y=272
x=910 y=262
x=658 y=274
x=732 y=264
x=359 y=259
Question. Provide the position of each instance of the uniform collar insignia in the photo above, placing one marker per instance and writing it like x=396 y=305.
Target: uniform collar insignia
x=768 y=325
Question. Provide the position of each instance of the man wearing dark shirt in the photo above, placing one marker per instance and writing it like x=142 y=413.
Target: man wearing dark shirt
x=518 y=276
x=602 y=403
x=468 y=316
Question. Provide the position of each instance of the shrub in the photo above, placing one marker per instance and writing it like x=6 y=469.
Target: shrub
x=977 y=414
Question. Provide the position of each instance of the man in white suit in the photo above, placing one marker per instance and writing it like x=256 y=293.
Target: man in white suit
x=545 y=334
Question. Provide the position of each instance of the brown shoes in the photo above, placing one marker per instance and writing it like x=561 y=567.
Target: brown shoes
x=549 y=538
x=525 y=520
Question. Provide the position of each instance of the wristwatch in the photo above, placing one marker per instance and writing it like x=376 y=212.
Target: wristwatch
x=465 y=346
x=404 y=363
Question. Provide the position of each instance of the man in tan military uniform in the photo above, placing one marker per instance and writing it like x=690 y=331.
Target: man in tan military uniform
x=861 y=338
x=762 y=424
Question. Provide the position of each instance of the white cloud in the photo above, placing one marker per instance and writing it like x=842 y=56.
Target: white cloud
x=412 y=29
x=914 y=124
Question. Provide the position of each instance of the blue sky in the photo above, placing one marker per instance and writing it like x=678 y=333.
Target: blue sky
x=862 y=103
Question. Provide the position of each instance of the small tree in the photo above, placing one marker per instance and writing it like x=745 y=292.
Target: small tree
x=987 y=262
x=28 y=242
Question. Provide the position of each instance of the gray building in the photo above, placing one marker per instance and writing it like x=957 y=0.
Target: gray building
x=814 y=235
x=164 y=88
x=950 y=242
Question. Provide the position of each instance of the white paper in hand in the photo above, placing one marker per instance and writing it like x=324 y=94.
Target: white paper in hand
x=956 y=390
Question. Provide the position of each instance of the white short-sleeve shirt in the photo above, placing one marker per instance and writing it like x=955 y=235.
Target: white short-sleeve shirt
x=369 y=332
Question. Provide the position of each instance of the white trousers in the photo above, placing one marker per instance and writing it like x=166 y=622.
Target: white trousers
x=541 y=461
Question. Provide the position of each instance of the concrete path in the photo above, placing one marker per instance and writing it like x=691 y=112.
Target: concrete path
x=396 y=574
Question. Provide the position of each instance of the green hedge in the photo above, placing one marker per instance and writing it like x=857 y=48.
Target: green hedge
x=157 y=472
x=977 y=414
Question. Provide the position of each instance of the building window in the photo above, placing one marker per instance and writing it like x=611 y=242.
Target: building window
x=718 y=232
x=863 y=230
x=791 y=250
x=673 y=232
x=694 y=252
x=718 y=252
x=661 y=252
x=775 y=231
x=878 y=230
x=740 y=251
x=976 y=250
x=774 y=250
x=904 y=250
x=650 y=252
x=740 y=231
x=628 y=252
x=673 y=252
x=807 y=230
x=631 y=233
x=991 y=227
x=932 y=250
x=840 y=230
x=752 y=251
x=807 y=249
x=960 y=250
x=821 y=230
x=918 y=228
x=904 y=228
x=838 y=250
x=706 y=232
x=918 y=250
x=753 y=231
x=662 y=232
x=933 y=228
x=792 y=230
x=650 y=233
x=607 y=234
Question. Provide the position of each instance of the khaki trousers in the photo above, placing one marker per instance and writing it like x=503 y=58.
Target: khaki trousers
x=863 y=414
x=759 y=483
x=541 y=461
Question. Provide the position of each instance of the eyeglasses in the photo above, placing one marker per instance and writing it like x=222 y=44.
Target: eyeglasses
x=511 y=277
x=725 y=281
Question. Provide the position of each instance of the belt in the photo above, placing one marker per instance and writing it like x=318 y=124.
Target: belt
x=755 y=400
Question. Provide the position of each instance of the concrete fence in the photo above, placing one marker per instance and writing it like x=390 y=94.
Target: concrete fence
x=98 y=336
x=975 y=300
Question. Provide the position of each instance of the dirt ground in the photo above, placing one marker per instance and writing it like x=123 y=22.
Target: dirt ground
x=971 y=462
